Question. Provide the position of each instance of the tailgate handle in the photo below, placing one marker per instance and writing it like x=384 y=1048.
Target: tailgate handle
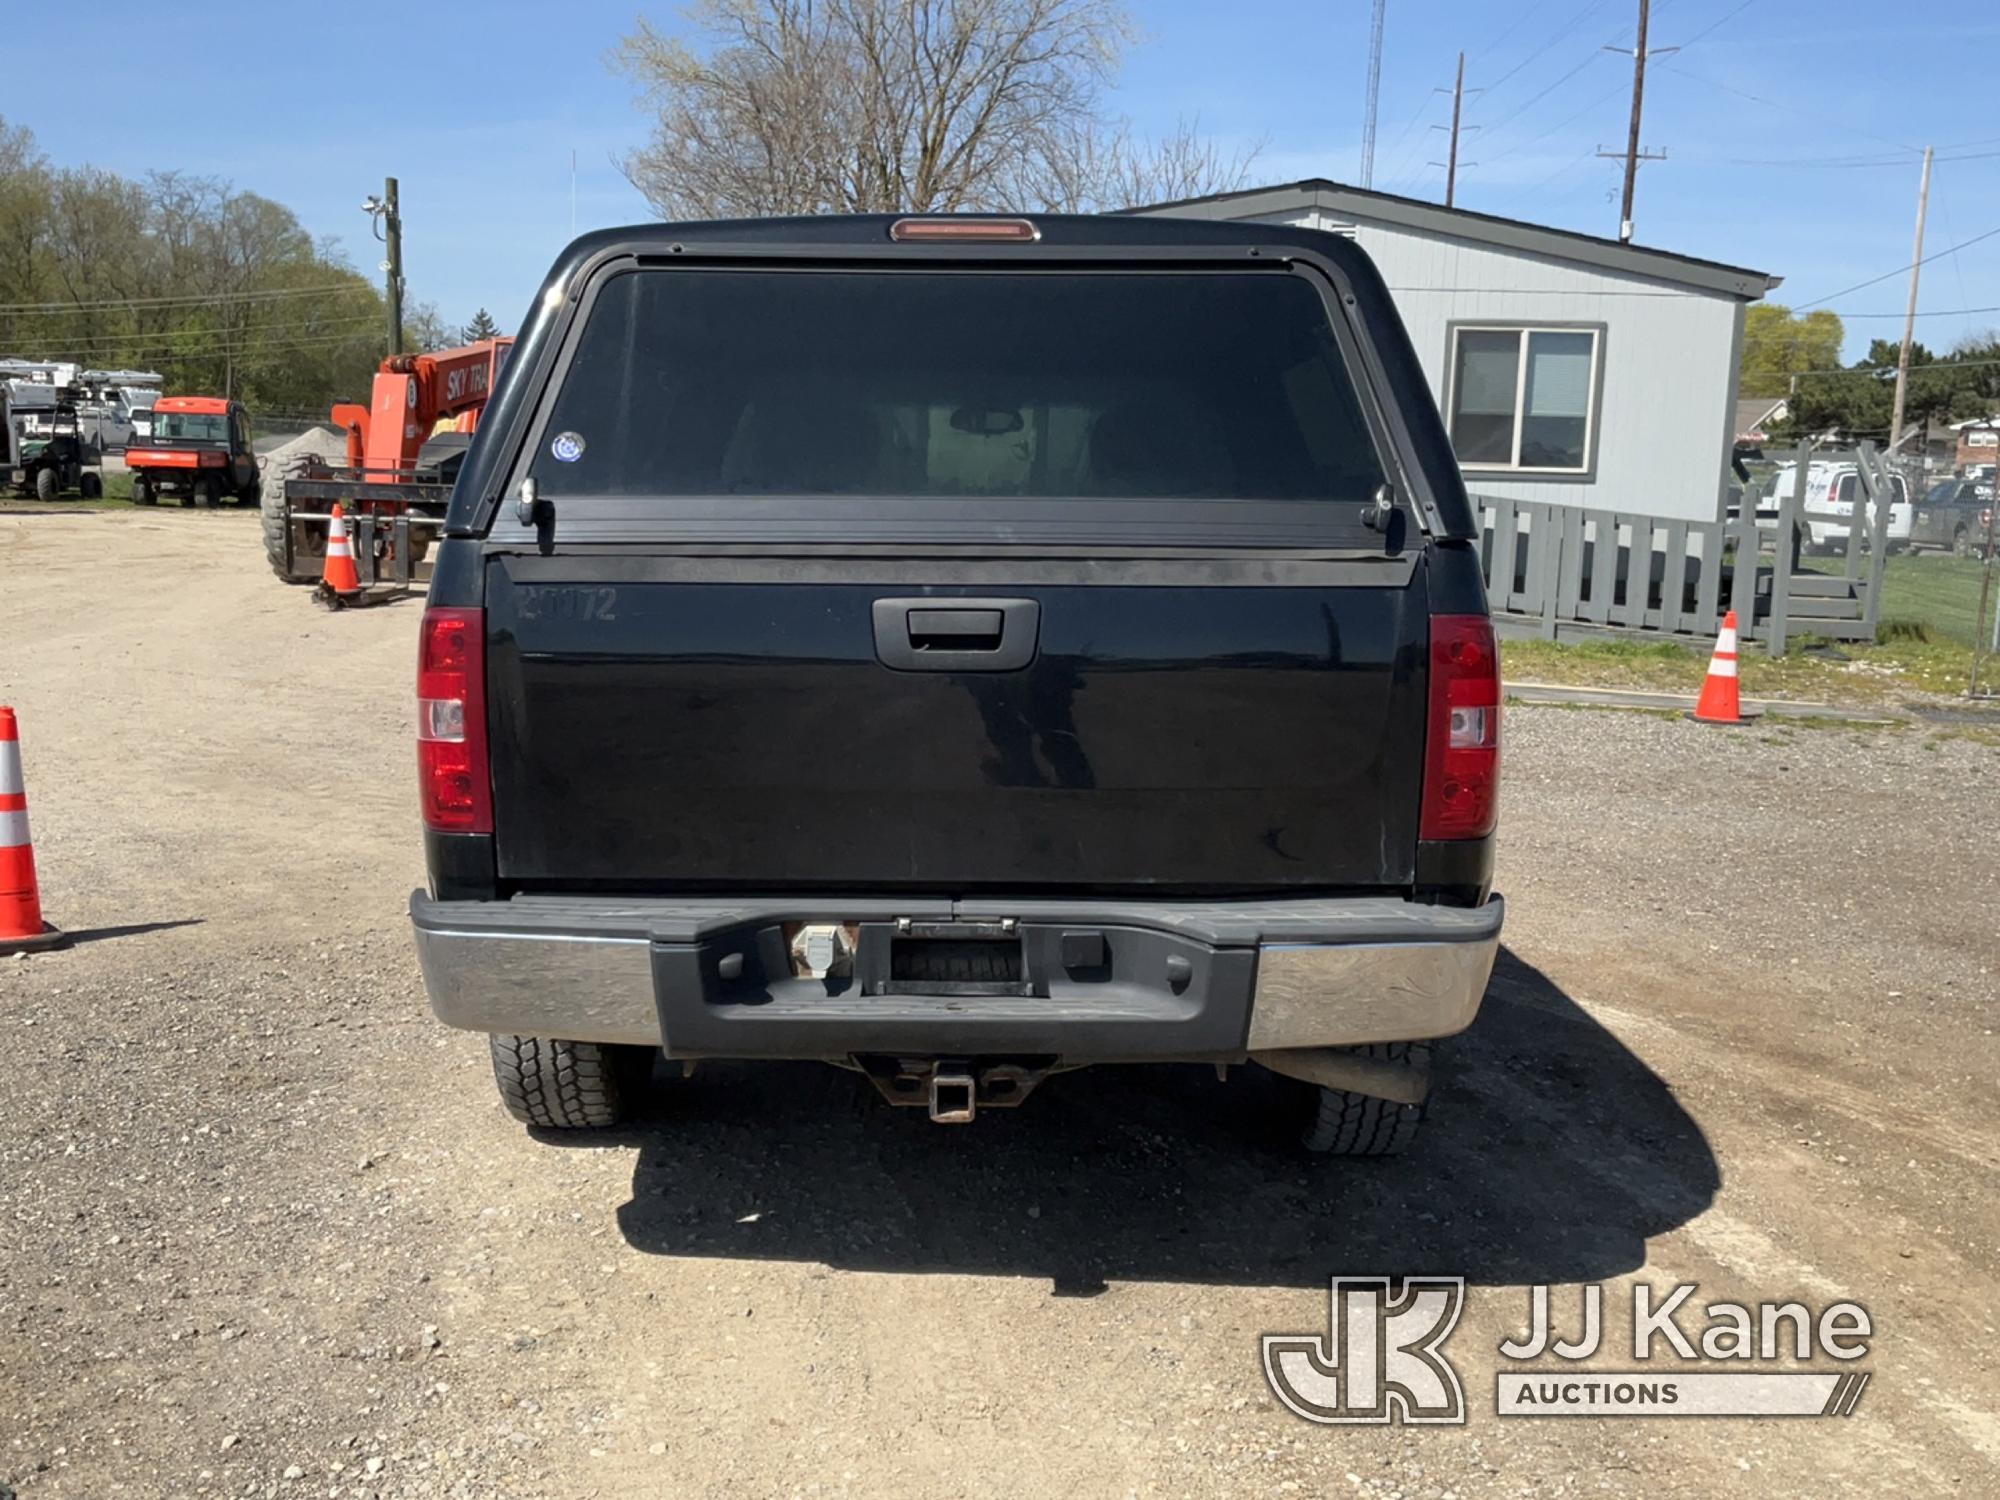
x=934 y=634
x=955 y=629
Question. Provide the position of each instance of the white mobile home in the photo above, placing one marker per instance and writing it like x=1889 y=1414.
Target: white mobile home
x=1571 y=370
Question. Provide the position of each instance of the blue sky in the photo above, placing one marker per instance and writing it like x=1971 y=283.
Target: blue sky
x=1789 y=124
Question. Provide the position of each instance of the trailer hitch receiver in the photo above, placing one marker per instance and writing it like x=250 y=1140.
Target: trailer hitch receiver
x=954 y=1095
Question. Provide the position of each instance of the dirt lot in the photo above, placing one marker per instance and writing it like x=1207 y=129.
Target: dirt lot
x=265 y=1231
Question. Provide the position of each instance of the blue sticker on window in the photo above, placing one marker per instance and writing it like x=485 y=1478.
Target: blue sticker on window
x=567 y=448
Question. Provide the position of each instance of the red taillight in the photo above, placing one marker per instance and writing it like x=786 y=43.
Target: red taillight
x=1462 y=738
x=210 y=459
x=451 y=721
x=964 y=231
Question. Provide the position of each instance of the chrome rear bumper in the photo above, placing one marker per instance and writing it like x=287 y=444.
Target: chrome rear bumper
x=1183 y=979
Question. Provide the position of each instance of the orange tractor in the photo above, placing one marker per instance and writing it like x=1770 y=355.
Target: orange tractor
x=403 y=454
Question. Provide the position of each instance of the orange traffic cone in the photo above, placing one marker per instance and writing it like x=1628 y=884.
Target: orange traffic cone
x=21 y=926
x=1720 y=702
x=339 y=578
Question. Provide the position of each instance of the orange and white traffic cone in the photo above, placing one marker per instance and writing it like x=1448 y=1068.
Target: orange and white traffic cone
x=22 y=929
x=1720 y=701
x=339 y=579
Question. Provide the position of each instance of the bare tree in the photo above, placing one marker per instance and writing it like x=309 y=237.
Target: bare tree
x=1107 y=168
x=924 y=106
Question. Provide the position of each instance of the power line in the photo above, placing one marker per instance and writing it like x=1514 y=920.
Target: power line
x=1400 y=168
x=1523 y=109
x=1957 y=266
x=1819 y=117
x=1562 y=34
x=1567 y=30
x=1531 y=103
x=154 y=349
x=163 y=337
x=1944 y=312
x=1937 y=365
x=1714 y=26
x=1568 y=27
x=1521 y=18
x=1988 y=140
x=1890 y=275
x=1588 y=152
x=1413 y=173
x=1602 y=99
x=1846 y=162
x=317 y=342
x=194 y=299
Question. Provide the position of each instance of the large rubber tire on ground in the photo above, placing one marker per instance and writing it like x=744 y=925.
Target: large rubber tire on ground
x=206 y=493
x=561 y=1085
x=1340 y=1123
x=45 y=484
x=142 y=492
x=271 y=507
x=91 y=486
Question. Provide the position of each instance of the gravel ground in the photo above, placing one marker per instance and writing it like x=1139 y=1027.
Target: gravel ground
x=265 y=1231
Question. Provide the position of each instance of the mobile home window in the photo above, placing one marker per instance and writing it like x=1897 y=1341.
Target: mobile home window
x=1524 y=398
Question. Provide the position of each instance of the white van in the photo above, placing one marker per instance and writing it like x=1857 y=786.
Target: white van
x=1833 y=490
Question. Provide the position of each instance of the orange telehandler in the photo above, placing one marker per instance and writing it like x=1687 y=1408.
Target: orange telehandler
x=403 y=453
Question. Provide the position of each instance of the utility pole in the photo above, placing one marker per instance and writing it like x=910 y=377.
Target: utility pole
x=1457 y=101
x=1632 y=139
x=1374 y=95
x=392 y=264
x=1632 y=154
x=1910 y=314
x=1451 y=163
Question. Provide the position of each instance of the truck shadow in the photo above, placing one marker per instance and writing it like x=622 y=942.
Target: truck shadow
x=1551 y=1155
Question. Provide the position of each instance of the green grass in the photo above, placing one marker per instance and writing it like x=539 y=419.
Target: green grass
x=117 y=497
x=1931 y=590
x=1814 y=672
x=1930 y=605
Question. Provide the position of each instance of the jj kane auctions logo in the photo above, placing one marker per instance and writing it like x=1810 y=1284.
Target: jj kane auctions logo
x=1382 y=1357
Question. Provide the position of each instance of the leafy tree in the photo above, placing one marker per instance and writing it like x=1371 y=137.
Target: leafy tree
x=482 y=326
x=920 y=106
x=1856 y=402
x=223 y=292
x=1776 y=345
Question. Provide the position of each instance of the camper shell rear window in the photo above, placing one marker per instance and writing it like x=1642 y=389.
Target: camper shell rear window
x=959 y=385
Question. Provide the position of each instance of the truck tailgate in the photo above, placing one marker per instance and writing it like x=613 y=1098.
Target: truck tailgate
x=654 y=730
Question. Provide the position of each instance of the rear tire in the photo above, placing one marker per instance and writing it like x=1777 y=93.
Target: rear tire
x=560 y=1085
x=45 y=484
x=91 y=485
x=205 y=493
x=1961 y=543
x=142 y=492
x=1341 y=1123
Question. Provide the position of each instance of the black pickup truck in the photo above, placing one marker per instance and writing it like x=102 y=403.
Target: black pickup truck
x=961 y=650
